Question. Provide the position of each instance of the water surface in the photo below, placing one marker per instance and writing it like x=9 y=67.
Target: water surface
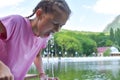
x=91 y=68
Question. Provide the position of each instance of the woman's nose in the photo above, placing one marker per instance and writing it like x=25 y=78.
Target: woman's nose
x=57 y=28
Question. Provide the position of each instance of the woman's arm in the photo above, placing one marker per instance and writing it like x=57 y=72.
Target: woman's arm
x=39 y=65
x=5 y=73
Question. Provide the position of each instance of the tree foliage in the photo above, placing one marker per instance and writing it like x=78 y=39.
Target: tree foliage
x=84 y=43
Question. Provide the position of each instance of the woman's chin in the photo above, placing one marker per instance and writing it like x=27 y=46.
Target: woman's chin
x=45 y=35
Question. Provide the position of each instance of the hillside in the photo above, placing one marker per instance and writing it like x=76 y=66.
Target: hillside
x=114 y=24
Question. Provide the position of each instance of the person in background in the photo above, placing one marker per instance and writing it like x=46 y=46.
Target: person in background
x=23 y=38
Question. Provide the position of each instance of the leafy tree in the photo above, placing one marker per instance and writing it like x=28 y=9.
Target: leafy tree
x=117 y=38
x=112 y=38
x=68 y=43
x=89 y=46
x=107 y=52
x=100 y=38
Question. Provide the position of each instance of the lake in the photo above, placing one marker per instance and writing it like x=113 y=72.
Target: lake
x=82 y=68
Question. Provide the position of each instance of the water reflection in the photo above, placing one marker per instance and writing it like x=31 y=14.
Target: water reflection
x=81 y=69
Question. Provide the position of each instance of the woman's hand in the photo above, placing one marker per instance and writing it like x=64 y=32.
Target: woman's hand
x=49 y=78
x=45 y=77
x=5 y=73
x=52 y=78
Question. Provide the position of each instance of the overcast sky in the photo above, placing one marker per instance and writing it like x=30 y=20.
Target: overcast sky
x=87 y=15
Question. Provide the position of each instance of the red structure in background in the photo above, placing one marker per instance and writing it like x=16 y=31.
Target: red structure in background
x=101 y=50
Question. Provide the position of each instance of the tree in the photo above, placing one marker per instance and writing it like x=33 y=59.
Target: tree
x=107 y=52
x=68 y=43
x=112 y=38
x=89 y=46
x=117 y=38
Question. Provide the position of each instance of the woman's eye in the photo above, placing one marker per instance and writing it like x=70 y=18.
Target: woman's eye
x=57 y=24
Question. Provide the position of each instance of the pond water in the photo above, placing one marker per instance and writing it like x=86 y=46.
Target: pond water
x=87 y=68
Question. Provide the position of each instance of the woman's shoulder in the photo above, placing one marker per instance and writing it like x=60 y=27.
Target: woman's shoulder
x=17 y=17
x=13 y=17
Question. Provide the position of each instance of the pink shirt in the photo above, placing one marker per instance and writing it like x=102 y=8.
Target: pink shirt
x=21 y=46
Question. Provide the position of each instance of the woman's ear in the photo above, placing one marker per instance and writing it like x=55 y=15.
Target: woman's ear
x=39 y=13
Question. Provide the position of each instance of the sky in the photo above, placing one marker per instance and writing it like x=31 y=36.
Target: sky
x=87 y=15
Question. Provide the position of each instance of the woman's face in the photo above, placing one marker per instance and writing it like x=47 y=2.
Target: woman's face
x=50 y=23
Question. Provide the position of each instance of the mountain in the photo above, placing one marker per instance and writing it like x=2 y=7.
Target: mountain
x=114 y=24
